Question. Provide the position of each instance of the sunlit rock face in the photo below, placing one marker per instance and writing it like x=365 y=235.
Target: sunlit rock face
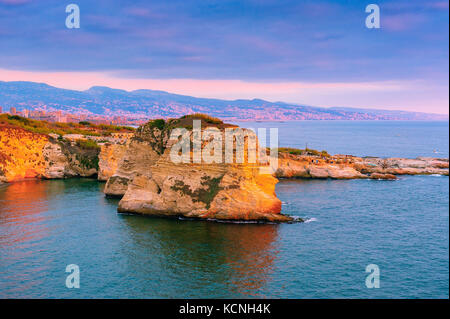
x=229 y=192
x=156 y=185
x=109 y=159
x=21 y=154
x=25 y=154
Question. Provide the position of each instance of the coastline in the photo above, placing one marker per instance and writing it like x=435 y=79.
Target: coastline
x=137 y=170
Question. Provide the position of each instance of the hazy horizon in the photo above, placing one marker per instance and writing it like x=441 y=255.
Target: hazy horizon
x=176 y=93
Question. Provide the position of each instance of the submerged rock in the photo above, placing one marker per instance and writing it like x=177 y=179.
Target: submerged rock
x=383 y=176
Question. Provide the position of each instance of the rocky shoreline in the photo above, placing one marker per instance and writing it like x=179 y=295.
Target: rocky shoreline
x=137 y=169
x=353 y=167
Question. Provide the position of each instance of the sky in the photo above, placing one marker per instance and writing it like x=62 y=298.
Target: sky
x=309 y=52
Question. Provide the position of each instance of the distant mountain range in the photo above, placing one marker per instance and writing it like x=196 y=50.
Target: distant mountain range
x=152 y=104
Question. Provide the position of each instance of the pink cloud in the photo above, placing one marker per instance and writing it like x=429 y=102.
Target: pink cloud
x=143 y=13
x=402 y=22
x=439 y=5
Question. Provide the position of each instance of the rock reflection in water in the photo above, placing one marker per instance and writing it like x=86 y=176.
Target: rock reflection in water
x=205 y=256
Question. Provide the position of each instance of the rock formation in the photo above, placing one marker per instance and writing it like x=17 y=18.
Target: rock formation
x=155 y=185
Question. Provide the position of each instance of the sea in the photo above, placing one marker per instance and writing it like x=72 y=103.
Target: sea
x=400 y=228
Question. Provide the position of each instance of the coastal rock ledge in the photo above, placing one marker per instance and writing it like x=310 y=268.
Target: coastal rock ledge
x=152 y=184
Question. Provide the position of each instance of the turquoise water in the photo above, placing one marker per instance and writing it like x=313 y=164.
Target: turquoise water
x=402 y=226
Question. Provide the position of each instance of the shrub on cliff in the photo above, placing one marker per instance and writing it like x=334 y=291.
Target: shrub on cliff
x=87 y=144
x=158 y=123
x=207 y=118
x=44 y=127
x=306 y=151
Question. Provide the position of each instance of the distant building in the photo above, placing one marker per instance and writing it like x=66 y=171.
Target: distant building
x=1 y=110
x=13 y=111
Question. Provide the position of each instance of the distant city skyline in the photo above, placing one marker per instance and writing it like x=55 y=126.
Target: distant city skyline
x=306 y=52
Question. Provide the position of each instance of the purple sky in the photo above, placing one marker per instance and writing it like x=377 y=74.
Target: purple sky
x=312 y=52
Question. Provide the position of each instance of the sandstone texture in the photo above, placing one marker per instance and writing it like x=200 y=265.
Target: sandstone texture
x=21 y=154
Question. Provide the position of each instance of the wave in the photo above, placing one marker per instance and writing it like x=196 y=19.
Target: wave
x=309 y=220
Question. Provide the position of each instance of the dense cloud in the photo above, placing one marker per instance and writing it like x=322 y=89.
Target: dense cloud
x=247 y=40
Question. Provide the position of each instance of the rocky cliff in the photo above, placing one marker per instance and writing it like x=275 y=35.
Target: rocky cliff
x=24 y=154
x=153 y=184
x=21 y=154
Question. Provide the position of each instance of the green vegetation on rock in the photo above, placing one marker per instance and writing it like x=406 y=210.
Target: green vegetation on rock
x=44 y=127
x=204 y=195
x=88 y=144
x=306 y=151
x=158 y=123
x=200 y=116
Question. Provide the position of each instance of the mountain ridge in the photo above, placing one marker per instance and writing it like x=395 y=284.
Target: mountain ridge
x=144 y=103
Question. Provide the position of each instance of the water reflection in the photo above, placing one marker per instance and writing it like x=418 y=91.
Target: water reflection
x=21 y=212
x=229 y=259
x=32 y=226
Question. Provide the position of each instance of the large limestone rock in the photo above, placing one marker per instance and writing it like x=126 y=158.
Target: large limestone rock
x=216 y=192
x=208 y=191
